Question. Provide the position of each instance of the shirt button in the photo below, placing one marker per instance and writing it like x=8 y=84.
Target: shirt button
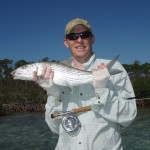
x=81 y=94
x=79 y=142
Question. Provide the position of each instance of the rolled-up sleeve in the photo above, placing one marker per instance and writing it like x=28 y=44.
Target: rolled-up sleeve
x=112 y=102
x=53 y=105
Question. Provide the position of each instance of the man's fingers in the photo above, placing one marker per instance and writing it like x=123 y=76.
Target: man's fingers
x=102 y=66
x=48 y=73
x=51 y=76
x=99 y=67
x=35 y=76
x=44 y=71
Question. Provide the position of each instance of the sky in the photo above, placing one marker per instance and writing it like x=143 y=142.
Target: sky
x=34 y=29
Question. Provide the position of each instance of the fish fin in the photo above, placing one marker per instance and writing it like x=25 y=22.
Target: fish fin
x=114 y=71
x=112 y=62
x=69 y=89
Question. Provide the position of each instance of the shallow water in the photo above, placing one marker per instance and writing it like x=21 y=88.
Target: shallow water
x=137 y=135
x=29 y=131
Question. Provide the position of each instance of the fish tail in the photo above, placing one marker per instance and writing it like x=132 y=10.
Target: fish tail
x=112 y=62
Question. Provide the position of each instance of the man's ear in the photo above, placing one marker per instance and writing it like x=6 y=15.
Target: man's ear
x=66 y=43
x=93 y=39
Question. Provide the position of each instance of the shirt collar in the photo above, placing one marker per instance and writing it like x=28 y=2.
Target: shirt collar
x=89 y=63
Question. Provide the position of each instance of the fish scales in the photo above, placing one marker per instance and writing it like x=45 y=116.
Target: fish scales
x=63 y=75
x=68 y=76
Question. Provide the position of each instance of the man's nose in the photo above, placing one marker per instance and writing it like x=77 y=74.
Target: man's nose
x=79 y=39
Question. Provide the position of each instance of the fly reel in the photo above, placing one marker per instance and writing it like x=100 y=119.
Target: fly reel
x=71 y=123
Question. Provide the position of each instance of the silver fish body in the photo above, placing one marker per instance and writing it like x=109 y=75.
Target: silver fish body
x=64 y=75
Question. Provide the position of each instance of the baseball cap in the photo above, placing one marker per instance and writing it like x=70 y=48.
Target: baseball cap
x=75 y=22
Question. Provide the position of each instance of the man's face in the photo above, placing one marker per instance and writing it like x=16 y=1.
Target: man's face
x=80 y=48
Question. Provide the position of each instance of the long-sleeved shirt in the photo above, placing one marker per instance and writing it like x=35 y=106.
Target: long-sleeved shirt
x=100 y=127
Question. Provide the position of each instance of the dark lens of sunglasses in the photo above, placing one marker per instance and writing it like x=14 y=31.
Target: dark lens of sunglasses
x=75 y=36
x=85 y=35
x=72 y=36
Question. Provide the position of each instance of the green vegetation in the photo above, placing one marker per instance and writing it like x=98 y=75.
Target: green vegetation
x=17 y=91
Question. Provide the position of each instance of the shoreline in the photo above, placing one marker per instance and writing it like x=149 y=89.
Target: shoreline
x=6 y=109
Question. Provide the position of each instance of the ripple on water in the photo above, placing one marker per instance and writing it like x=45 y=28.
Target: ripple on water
x=29 y=131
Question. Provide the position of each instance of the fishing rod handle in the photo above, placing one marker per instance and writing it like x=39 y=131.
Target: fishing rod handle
x=55 y=114
x=73 y=111
x=82 y=109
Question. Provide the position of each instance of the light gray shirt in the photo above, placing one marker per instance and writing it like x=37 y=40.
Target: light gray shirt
x=100 y=127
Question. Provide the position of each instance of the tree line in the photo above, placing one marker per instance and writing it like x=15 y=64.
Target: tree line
x=18 y=91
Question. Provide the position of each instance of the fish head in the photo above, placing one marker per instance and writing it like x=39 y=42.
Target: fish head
x=25 y=72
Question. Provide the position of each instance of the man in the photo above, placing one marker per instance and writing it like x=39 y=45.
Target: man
x=98 y=129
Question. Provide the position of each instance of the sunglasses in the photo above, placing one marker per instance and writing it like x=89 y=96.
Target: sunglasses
x=75 y=36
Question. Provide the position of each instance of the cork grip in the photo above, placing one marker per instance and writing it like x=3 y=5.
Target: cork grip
x=82 y=109
x=73 y=111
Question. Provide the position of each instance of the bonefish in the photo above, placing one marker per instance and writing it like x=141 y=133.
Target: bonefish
x=64 y=75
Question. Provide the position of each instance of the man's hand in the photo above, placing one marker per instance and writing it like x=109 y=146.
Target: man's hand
x=101 y=77
x=45 y=80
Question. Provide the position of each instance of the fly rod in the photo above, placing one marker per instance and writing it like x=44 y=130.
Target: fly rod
x=73 y=111
x=86 y=108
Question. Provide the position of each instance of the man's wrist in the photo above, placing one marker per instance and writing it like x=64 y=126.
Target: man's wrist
x=101 y=96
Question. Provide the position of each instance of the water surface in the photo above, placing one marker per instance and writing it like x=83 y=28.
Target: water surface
x=29 y=131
